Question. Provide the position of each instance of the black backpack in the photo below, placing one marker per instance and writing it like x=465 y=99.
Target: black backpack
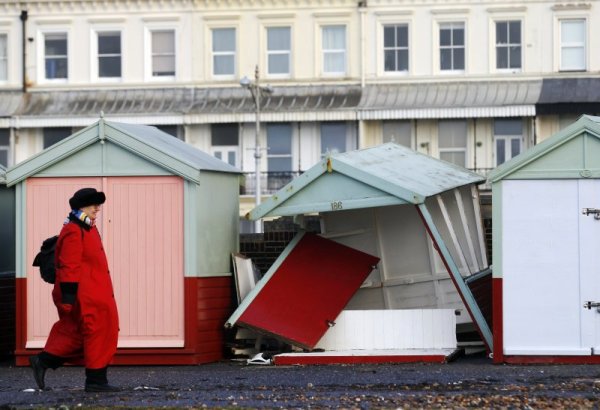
x=45 y=259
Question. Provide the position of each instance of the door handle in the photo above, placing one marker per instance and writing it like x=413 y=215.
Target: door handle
x=589 y=305
x=591 y=211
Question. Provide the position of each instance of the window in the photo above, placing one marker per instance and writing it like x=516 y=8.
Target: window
x=508 y=45
x=398 y=132
x=163 y=53
x=224 y=142
x=109 y=54
x=55 y=56
x=508 y=134
x=3 y=57
x=223 y=48
x=333 y=137
x=452 y=141
x=452 y=46
x=572 y=45
x=4 y=146
x=279 y=155
x=278 y=50
x=54 y=135
x=334 y=49
x=395 y=48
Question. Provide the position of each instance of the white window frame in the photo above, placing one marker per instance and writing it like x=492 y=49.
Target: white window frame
x=583 y=45
x=383 y=25
x=5 y=58
x=452 y=23
x=148 y=30
x=322 y=51
x=456 y=149
x=224 y=53
x=42 y=55
x=494 y=47
x=278 y=52
x=95 y=57
x=291 y=153
x=224 y=150
x=507 y=138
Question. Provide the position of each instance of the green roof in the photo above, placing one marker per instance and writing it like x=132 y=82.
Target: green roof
x=143 y=141
x=388 y=174
x=573 y=152
x=2 y=174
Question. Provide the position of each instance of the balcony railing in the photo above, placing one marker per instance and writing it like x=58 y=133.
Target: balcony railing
x=270 y=182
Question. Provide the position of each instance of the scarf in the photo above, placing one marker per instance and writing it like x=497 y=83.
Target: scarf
x=81 y=217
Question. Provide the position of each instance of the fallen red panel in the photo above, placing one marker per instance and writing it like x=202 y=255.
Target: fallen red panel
x=308 y=291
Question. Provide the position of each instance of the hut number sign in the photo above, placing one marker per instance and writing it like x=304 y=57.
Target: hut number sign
x=336 y=206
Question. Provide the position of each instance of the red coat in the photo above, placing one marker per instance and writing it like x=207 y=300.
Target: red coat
x=90 y=330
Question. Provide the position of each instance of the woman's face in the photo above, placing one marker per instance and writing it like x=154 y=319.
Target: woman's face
x=91 y=211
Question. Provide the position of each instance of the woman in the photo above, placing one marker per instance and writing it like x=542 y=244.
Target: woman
x=88 y=322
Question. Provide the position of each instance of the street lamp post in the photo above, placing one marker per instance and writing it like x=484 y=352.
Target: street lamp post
x=256 y=90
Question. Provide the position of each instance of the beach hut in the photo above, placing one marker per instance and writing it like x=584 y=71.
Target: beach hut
x=420 y=216
x=7 y=266
x=546 y=219
x=169 y=226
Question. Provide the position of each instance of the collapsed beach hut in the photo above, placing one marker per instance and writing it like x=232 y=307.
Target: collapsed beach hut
x=169 y=226
x=420 y=216
x=546 y=218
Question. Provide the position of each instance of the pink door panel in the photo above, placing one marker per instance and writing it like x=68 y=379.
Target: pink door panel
x=144 y=241
x=141 y=224
x=47 y=206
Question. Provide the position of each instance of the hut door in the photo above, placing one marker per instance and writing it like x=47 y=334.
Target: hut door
x=144 y=242
x=589 y=262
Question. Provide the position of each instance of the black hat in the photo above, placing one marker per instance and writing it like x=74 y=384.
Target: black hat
x=86 y=197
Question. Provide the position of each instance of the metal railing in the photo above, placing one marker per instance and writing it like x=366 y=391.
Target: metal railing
x=270 y=182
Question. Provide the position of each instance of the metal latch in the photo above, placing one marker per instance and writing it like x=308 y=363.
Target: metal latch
x=591 y=211
x=590 y=305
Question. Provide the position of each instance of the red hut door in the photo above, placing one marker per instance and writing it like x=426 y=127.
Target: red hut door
x=141 y=224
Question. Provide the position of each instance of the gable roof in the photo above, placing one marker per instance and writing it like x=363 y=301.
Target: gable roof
x=585 y=124
x=384 y=175
x=144 y=141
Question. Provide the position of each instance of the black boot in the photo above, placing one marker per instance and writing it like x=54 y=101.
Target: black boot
x=42 y=362
x=96 y=381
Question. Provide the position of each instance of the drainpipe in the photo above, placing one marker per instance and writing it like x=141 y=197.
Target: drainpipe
x=24 y=46
x=362 y=9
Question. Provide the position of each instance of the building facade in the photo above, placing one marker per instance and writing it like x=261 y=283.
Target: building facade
x=471 y=82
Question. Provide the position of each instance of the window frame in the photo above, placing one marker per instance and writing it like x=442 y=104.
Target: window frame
x=278 y=52
x=224 y=53
x=383 y=26
x=323 y=51
x=95 y=55
x=440 y=24
x=454 y=149
x=6 y=57
x=44 y=146
x=495 y=44
x=148 y=68
x=226 y=149
x=507 y=138
x=584 y=20
x=42 y=55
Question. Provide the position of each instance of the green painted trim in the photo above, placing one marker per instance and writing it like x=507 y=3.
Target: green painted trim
x=20 y=231
x=190 y=227
x=272 y=204
x=52 y=155
x=329 y=207
x=124 y=140
x=458 y=279
x=582 y=125
x=554 y=174
x=497 y=231
x=382 y=184
x=263 y=281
